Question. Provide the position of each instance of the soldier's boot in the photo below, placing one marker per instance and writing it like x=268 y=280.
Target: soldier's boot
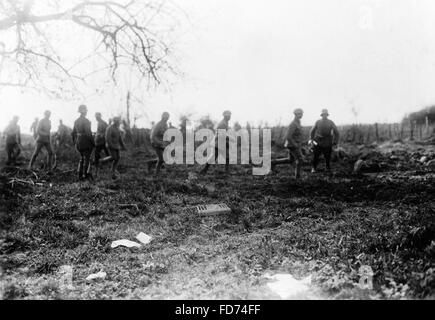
x=9 y=161
x=158 y=168
x=97 y=167
x=80 y=170
x=32 y=162
x=88 y=172
x=298 y=170
x=50 y=162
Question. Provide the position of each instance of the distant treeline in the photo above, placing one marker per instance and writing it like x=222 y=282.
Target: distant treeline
x=420 y=117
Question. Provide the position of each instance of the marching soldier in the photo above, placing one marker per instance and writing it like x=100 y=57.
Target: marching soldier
x=115 y=144
x=43 y=140
x=100 y=139
x=84 y=142
x=294 y=141
x=33 y=128
x=13 y=141
x=157 y=134
x=223 y=125
x=325 y=136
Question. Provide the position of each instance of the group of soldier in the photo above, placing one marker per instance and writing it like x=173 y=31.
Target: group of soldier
x=109 y=140
x=324 y=136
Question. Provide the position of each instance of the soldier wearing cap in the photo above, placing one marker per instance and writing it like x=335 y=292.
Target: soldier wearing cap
x=325 y=135
x=84 y=142
x=223 y=125
x=100 y=139
x=63 y=134
x=33 y=128
x=157 y=142
x=294 y=141
x=115 y=144
x=43 y=139
x=13 y=141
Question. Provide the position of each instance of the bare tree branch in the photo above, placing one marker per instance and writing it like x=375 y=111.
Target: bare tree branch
x=123 y=30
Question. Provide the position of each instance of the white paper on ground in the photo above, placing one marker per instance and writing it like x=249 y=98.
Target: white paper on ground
x=125 y=243
x=144 y=238
x=286 y=286
x=99 y=275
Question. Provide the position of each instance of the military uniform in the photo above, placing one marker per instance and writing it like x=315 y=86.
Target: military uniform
x=157 y=135
x=223 y=125
x=294 y=139
x=325 y=134
x=33 y=129
x=13 y=142
x=83 y=140
x=62 y=135
x=294 y=144
x=114 y=143
x=43 y=140
x=100 y=141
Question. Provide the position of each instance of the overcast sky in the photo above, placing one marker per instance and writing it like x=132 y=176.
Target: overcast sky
x=263 y=58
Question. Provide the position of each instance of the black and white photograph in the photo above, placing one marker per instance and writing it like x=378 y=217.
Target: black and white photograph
x=238 y=152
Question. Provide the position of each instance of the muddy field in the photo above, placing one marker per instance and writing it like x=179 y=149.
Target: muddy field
x=322 y=228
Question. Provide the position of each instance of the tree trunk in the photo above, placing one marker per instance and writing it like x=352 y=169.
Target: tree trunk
x=128 y=108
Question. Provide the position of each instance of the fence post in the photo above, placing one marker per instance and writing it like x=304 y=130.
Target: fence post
x=412 y=130
x=396 y=130
x=377 y=132
x=368 y=134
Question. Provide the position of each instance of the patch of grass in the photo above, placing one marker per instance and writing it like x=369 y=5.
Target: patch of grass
x=50 y=289
x=61 y=234
x=276 y=222
x=14 y=291
x=17 y=241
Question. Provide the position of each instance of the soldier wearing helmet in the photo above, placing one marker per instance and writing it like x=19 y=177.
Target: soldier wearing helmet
x=159 y=145
x=100 y=139
x=325 y=135
x=223 y=125
x=13 y=141
x=294 y=141
x=115 y=144
x=83 y=140
x=43 y=140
